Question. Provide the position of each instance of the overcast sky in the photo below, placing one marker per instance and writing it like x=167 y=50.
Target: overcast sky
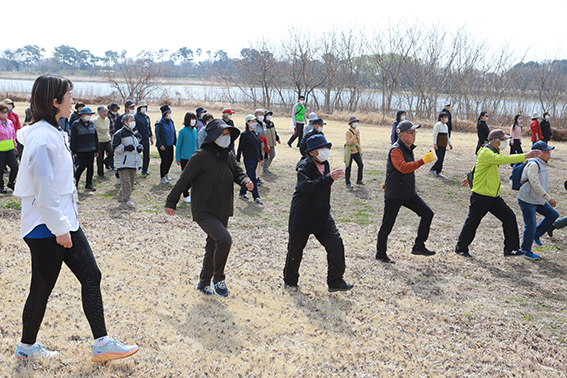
x=535 y=27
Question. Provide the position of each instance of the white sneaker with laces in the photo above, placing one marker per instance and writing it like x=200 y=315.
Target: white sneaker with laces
x=113 y=350
x=36 y=351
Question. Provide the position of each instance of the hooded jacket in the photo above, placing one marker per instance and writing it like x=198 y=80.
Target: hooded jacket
x=310 y=210
x=45 y=181
x=123 y=158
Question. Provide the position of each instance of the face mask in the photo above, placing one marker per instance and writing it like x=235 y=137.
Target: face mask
x=268 y=118
x=354 y=125
x=88 y=118
x=167 y=116
x=324 y=154
x=253 y=125
x=260 y=118
x=546 y=117
x=193 y=122
x=301 y=102
x=503 y=144
x=223 y=141
x=143 y=110
x=131 y=111
x=520 y=123
x=229 y=116
x=403 y=118
x=131 y=125
x=10 y=107
x=319 y=128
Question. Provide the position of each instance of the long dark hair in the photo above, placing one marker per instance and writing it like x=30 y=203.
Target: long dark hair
x=188 y=117
x=482 y=114
x=516 y=120
x=45 y=89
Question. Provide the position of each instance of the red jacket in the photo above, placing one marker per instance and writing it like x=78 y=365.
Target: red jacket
x=12 y=116
x=536 y=131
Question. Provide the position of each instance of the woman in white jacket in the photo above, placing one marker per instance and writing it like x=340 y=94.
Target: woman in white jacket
x=50 y=225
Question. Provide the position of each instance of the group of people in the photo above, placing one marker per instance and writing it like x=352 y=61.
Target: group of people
x=205 y=148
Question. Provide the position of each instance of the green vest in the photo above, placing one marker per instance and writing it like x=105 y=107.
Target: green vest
x=300 y=114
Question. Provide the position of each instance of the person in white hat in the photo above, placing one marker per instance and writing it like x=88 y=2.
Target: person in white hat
x=536 y=130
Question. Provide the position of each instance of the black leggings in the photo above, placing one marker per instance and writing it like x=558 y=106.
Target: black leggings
x=8 y=158
x=47 y=257
x=166 y=160
x=86 y=161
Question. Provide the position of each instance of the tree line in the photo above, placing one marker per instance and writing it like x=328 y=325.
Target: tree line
x=401 y=66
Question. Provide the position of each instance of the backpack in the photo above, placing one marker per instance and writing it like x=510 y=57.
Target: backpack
x=516 y=177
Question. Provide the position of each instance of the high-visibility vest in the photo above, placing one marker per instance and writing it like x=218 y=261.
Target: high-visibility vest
x=300 y=114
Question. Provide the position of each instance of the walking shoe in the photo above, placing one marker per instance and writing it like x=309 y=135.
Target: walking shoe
x=435 y=174
x=464 y=254
x=349 y=186
x=514 y=253
x=163 y=180
x=258 y=201
x=187 y=199
x=243 y=197
x=3 y=190
x=113 y=350
x=145 y=173
x=11 y=185
x=421 y=251
x=288 y=144
x=118 y=182
x=36 y=351
x=90 y=188
x=531 y=256
x=550 y=231
x=343 y=286
x=384 y=258
x=205 y=290
x=220 y=289
x=360 y=183
x=167 y=177
x=291 y=286
x=130 y=204
x=537 y=241
x=441 y=176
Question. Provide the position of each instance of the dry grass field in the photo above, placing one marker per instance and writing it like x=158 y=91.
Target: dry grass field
x=442 y=316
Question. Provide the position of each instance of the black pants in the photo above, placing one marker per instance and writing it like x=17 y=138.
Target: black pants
x=183 y=164
x=438 y=166
x=516 y=148
x=333 y=243
x=47 y=257
x=479 y=206
x=297 y=134
x=166 y=160
x=101 y=161
x=356 y=157
x=218 y=245
x=391 y=209
x=8 y=158
x=146 y=159
x=86 y=161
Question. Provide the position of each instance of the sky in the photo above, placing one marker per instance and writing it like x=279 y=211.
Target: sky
x=534 y=29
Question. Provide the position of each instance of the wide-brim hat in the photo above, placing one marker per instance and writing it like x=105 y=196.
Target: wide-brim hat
x=542 y=146
x=535 y=115
x=317 y=141
x=216 y=127
x=142 y=104
x=352 y=119
x=406 y=126
x=86 y=110
x=498 y=134
x=200 y=110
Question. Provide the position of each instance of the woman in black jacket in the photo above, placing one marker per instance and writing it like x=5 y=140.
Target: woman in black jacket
x=212 y=172
x=250 y=147
x=482 y=131
x=310 y=213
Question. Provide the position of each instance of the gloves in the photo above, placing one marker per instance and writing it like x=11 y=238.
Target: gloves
x=139 y=148
x=129 y=148
x=428 y=157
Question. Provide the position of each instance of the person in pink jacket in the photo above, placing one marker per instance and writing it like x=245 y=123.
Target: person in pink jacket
x=7 y=148
x=516 y=136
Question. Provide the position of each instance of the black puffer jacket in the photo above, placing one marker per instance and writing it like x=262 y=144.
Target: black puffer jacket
x=310 y=211
x=400 y=185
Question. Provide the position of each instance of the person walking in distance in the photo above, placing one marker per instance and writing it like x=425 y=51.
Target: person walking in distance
x=127 y=149
x=485 y=196
x=144 y=129
x=400 y=117
x=482 y=131
x=272 y=137
x=355 y=151
x=545 y=127
x=186 y=146
x=298 y=121
x=440 y=142
x=249 y=148
x=516 y=136
x=400 y=191
x=166 y=138
x=84 y=145
x=535 y=128
x=50 y=225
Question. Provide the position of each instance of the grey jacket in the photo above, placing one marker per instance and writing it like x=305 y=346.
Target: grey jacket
x=535 y=187
x=123 y=158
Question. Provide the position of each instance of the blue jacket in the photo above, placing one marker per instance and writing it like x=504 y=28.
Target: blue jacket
x=143 y=125
x=186 y=144
x=165 y=133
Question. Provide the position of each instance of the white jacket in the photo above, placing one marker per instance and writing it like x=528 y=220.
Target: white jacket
x=45 y=180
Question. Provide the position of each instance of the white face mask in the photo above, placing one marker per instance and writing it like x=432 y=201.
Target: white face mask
x=131 y=111
x=167 y=116
x=324 y=154
x=503 y=144
x=319 y=128
x=301 y=102
x=268 y=118
x=229 y=116
x=10 y=107
x=193 y=122
x=403 y=118
x=223 y=141
x=253 y=125
x=260 y=118
x=547 y=117
x=88 y=118
x=354 y=125
x=143 y=110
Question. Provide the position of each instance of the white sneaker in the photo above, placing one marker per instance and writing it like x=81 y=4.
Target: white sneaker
x=113 y=350
x=118 y=182
x=163 y=180
x=36 y=351
x=130 y=204
x=187 y=199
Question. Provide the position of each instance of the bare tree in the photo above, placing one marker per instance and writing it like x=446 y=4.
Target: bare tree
x=135 y=79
